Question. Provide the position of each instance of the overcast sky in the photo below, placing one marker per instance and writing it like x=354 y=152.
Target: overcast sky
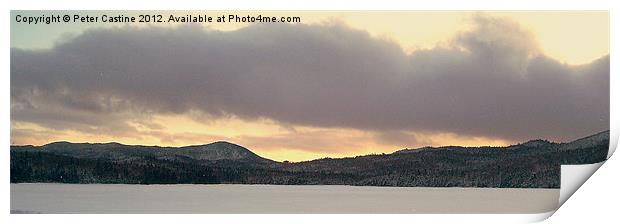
x=304 y=91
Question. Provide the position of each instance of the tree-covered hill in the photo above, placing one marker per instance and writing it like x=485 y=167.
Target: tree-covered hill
x=534 y=164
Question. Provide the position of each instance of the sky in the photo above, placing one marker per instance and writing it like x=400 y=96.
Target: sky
x=338 y=84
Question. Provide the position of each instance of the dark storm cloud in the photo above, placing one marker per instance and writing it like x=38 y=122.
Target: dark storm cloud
x=491 y=81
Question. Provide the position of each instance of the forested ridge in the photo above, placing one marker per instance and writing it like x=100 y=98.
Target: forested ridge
x=533 y=164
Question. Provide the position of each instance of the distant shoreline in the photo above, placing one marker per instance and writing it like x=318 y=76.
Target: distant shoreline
x=533 y=164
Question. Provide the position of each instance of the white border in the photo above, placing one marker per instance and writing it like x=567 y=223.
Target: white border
x=285 y=5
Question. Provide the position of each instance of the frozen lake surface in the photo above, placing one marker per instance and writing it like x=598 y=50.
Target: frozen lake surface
x=122 y=198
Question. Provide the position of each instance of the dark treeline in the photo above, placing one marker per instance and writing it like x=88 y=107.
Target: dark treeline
x=535 y=164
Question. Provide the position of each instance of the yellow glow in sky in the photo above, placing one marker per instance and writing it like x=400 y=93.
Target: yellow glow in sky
x=264 y=137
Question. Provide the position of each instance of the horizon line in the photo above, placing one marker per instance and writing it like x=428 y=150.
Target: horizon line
x=228 y=142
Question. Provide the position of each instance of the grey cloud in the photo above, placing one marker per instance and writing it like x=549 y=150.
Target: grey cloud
x=491 y=81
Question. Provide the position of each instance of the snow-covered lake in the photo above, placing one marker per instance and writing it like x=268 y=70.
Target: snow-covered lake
x=121 y=198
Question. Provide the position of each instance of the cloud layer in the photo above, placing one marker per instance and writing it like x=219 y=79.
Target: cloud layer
x=489 y=81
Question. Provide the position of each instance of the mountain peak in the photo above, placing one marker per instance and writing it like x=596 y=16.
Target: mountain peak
x=221 y=150
x=224 y=144
x=601 y=138
x=536 y=143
